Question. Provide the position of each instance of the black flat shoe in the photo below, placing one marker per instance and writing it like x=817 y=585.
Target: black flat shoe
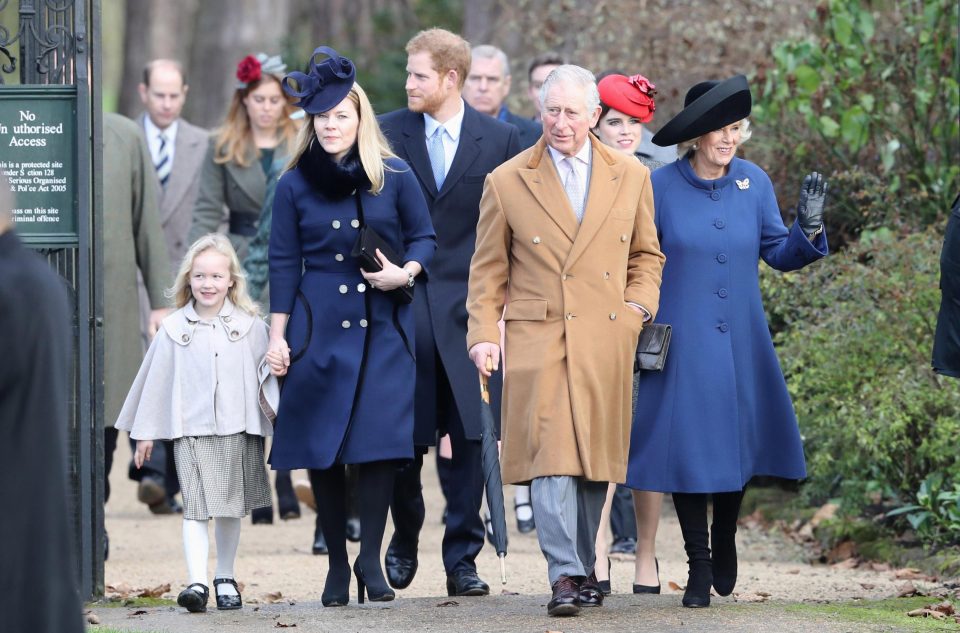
x=194 y=598
x=375 y=593
x=466 y=583
x=649 y=588
x=227 y=602
x=525 y=526
x=604 y=585
x=353 y=530
x=400 y=567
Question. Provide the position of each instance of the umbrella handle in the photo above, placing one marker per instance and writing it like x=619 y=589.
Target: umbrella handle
x=484 y=390
x=503 y=569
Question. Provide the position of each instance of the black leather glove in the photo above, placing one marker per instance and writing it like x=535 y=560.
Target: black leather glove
x=813 y=196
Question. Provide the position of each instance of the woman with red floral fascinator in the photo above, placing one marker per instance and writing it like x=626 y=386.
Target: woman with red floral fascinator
x=626 y=105
x=256 y=134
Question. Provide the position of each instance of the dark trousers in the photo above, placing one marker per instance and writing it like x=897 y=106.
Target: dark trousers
x=161 y=466
x=623 y=522
x=109 y=446
x=462 y=482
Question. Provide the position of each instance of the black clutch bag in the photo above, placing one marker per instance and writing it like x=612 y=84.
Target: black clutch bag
x=652 y=347
x=365 y=250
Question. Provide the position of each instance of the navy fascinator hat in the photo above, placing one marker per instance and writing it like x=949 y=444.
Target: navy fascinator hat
x=708 y=106
x=327 y=84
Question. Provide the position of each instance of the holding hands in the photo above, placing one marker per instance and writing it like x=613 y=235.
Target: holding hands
x=278 y=356
x=813 y=196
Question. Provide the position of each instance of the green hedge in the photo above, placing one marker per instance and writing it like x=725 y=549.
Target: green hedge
x=854 y=334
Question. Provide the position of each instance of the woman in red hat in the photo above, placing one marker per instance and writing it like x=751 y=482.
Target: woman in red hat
x=626 y=104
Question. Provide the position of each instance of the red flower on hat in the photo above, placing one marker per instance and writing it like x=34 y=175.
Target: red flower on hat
x=248 y=70
x=644 y=96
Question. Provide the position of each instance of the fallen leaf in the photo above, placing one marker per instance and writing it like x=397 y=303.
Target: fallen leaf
x=793 y=571
x=282 y=625
x=850 y=563
x=909 y=573
x=138 y=612
x=880 y=566
x=752 y=597
x=92 y=618
x=504 y=592
x=674 y=586
x=825 y=512
x=764 y=594
x=154 y=592
x=842 y=551
x=868 y=585
x=448 y=603
x=272 y=597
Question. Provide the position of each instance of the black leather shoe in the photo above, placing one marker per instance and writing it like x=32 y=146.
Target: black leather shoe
x=227 y=602
x=649 y=588
x=466 y=583
x=400 y=568
x=525 y=526
x=319 y=543
x=353 y=530
x=566 y=597
x=262 y=516
x=624 y=545
x=591 y=594
x=194 y=598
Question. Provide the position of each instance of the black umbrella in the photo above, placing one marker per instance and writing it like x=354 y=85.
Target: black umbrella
x=493 y=482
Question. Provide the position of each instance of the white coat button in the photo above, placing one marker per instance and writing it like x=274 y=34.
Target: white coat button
x=345 y=325
x=569 y=315
x=613 y=316
x=355 y=223
x=338 y=257
x=536 y=240
x=335 y=224
x=564 y=276
x=343 y=289
x=606 y=275
x=361 y=287
x=623 y=238
x=363 y=323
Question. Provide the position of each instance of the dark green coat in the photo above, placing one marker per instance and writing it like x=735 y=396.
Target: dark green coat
x=132 y=239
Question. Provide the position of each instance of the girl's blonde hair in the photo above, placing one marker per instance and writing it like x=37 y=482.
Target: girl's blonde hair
x=234 y=139
x=686 y=148
x=181 y=292
x=372 y=145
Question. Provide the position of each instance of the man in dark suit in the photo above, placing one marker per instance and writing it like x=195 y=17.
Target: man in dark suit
x=451 y=148
x=176 y=149
x=487 y=87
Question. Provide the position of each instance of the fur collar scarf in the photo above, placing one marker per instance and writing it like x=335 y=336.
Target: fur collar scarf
x=330 y=178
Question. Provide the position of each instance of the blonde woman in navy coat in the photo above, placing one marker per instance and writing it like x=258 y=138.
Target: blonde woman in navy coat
x=346 y=349
x=719 y=412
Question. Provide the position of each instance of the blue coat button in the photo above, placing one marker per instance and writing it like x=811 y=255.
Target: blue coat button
x=722 y=258
x=724 y=327
x=723 y=293
x=714 y=195
x=719 y=223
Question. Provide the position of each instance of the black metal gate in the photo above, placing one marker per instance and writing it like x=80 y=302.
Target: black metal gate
x=50 y=74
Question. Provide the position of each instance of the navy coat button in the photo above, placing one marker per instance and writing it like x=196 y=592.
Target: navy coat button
x=722 y=258
x=343 y=289
x=714 y=195
x=361 y=287
x=335 y=224
x=723 y=293
x=345 y=325
x=363 y=323
x=338 y=257
x=355 y=223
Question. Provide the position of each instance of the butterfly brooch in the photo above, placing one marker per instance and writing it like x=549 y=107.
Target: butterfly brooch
x=743 y=184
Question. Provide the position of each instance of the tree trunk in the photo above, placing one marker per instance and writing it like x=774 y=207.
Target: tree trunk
x=136 y=54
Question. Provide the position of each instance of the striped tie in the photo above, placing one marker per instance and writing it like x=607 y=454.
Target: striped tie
x=163 y=163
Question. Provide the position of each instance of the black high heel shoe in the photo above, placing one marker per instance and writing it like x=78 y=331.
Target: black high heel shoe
x=336 y=590
x=605 y=584
x=383 y=594
x=649 y=588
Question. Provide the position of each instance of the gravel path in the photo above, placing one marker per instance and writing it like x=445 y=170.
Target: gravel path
x=275 y=565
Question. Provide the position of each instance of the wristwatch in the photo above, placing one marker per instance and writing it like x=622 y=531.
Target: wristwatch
x=410 y=280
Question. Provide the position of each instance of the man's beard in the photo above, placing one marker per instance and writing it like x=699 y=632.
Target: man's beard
x=430 y=104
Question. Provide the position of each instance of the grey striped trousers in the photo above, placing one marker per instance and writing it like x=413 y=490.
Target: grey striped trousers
x=568 y=516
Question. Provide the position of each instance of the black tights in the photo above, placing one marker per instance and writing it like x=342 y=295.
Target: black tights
x=692 y=513
x=374 y=490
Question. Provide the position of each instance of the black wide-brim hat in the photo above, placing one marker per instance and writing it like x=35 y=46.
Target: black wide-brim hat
x=708 y=106
x=327 y=84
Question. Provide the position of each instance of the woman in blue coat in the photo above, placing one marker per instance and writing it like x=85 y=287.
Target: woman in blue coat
x=345 y=347
x=719 y=412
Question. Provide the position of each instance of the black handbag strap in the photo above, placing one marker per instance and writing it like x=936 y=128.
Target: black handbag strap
x=366 y=297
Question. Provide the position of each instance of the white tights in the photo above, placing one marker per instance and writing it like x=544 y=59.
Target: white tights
x=196 y=547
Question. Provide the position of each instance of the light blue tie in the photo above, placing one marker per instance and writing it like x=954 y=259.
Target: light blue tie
x=438 y=161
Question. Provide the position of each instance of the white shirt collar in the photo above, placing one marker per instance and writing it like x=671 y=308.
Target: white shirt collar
x=583 y=156
x=453 y=125
x=153 y=132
